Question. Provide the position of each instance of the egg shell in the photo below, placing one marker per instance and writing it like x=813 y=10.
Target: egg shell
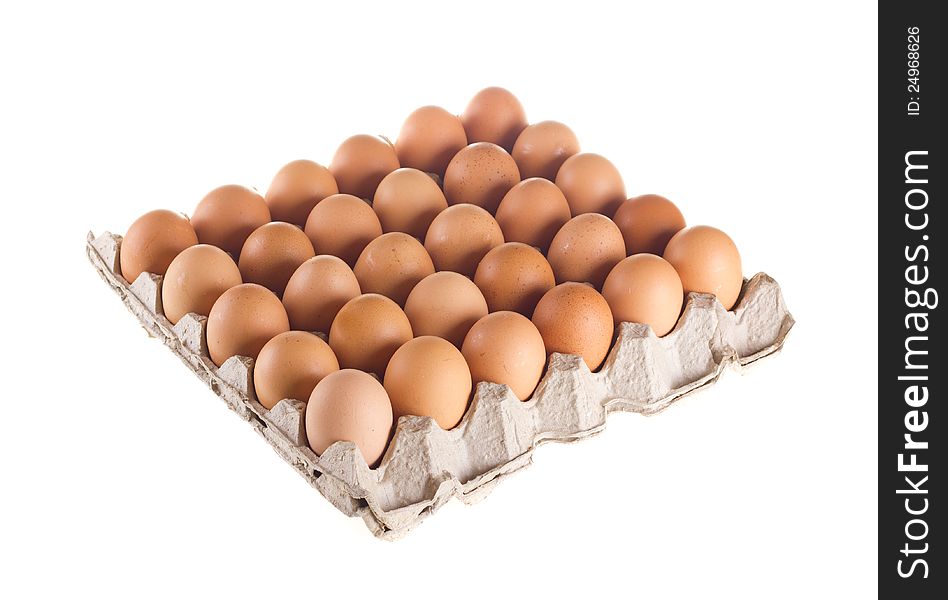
x=494 y=115
x=480 y=174
x=153 y=241
x=408 y=200
x=542 y=148
x=350 y=405
x=361 y=162
x=195 y=280
x=290 y=365
x=707 y=261
x=243 y=319
x=591 y=184
x=445 y=304
x=342 y=225
x=366 y=332
x=429 y=377
x=392 y=265
x=647 y=222
x=429 y=138
x=573 y=318
x=514 y=276
x=585 y=249
x=272 y=254
x=532 y=212
x=506 y=347
x=460 y=236
x=644 y=288
x=316 y=292
x=297 y=188
x=227 y=215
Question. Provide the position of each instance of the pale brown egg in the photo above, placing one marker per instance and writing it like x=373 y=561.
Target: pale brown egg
x=543 y=147
x=506 y=347
x=647 y=223
x=152 y=242
x=494 y=115
x=297 y=188
x=272 y=254
x=195 y=280
x=366 y=332
x=644 y=289
x=460 y=236
x=316 y=292
x=290 y=365
x=243 y=319
x=408 y=200
x=480 y=174
x=361 y=162
x=392 y=265
x=532 y=212
x=591 y=184
x=349 y=406
x=429 y=138
x=707 y=261
x=228 y=215
x=573 y=318
x=428 y=377
x=514 y=276
x=586 y=249
x=445 y=304
x=342 y=225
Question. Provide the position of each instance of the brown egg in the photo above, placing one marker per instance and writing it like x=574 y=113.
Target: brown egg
x=445 y=304
x=350 y=406
x=316 y=292
x=392 y=265
x=586 y=249
x=647 y=223
x=480 y=174
x=228 y=215
x=429 y=138
x=366 y=332
x=543 y=147
x=243 y=319
x=297 y=188
x=342 y=225
x=460 y=236
x=514 y=276
x=644 y=289
x=408 y=200
x=707 y=261
x=361 y=162
x=290 y=365
x=272 y=254
x=532 y=212
x=152 y=242
x=591 y=184
x=506 y=347
x=494 y=115
x=195 y=280
x=429 y=377
x=573 y=318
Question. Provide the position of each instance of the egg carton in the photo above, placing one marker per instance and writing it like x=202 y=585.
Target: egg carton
x=425 y=466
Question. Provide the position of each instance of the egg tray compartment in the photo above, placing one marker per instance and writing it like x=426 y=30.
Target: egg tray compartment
x=425 y=466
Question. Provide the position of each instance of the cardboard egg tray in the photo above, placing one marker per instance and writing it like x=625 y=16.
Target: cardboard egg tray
x=424 y=465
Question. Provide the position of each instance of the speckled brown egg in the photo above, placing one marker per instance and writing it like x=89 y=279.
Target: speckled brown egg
x=506 y=347
x=227 y=215
x=272 y=254
x=429 y=138
x=195 y=280
x=532 y=212
x=361 y=162
x=543 y=147
x=408 y=200
x=494 y=115
x=591 y=184
x=342 y=225
x=445 y=304
x=707 y=261
x=366 y=332
x=297 y=188
x=573 y=318
x=647 y=223
x=392 y=265
x=316 y=292
x=460 y=236
x=586 y=249
x=514 y=276
x=480 y=174
x=290 y=365
x=152 y=242
x=243 y=319
x=644 y=288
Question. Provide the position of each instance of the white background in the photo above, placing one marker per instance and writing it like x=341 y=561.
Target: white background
x=123 y=476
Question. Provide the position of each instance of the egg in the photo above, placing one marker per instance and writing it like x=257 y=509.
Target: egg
x=460 y=236
x=647 y=223
x=506 y=347
x=227 y=215
x=429 y=138
x=361 y=162
x=272 y=254
x=445 y=304
x=350 y=406
x=542 y=148
x=290 y=365
x=586 y=249
x=429 y=377
x=243 y=319
x=408 y=200
x=342 y=225
x=316 y=292
x=532 y=212
x=152 y=242
x=392 y=265
x=195 y=280
x=297 y=188
x=480 y=174
x=366 y=332
x=514 y=276
x=707 y=261
x=591 y=184
x=573 y=318
x=644 y=288
x=494 y=115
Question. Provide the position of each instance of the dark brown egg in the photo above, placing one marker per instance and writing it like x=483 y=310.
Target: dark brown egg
x=647 y=223
x=480 y=174
x=272 y=254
